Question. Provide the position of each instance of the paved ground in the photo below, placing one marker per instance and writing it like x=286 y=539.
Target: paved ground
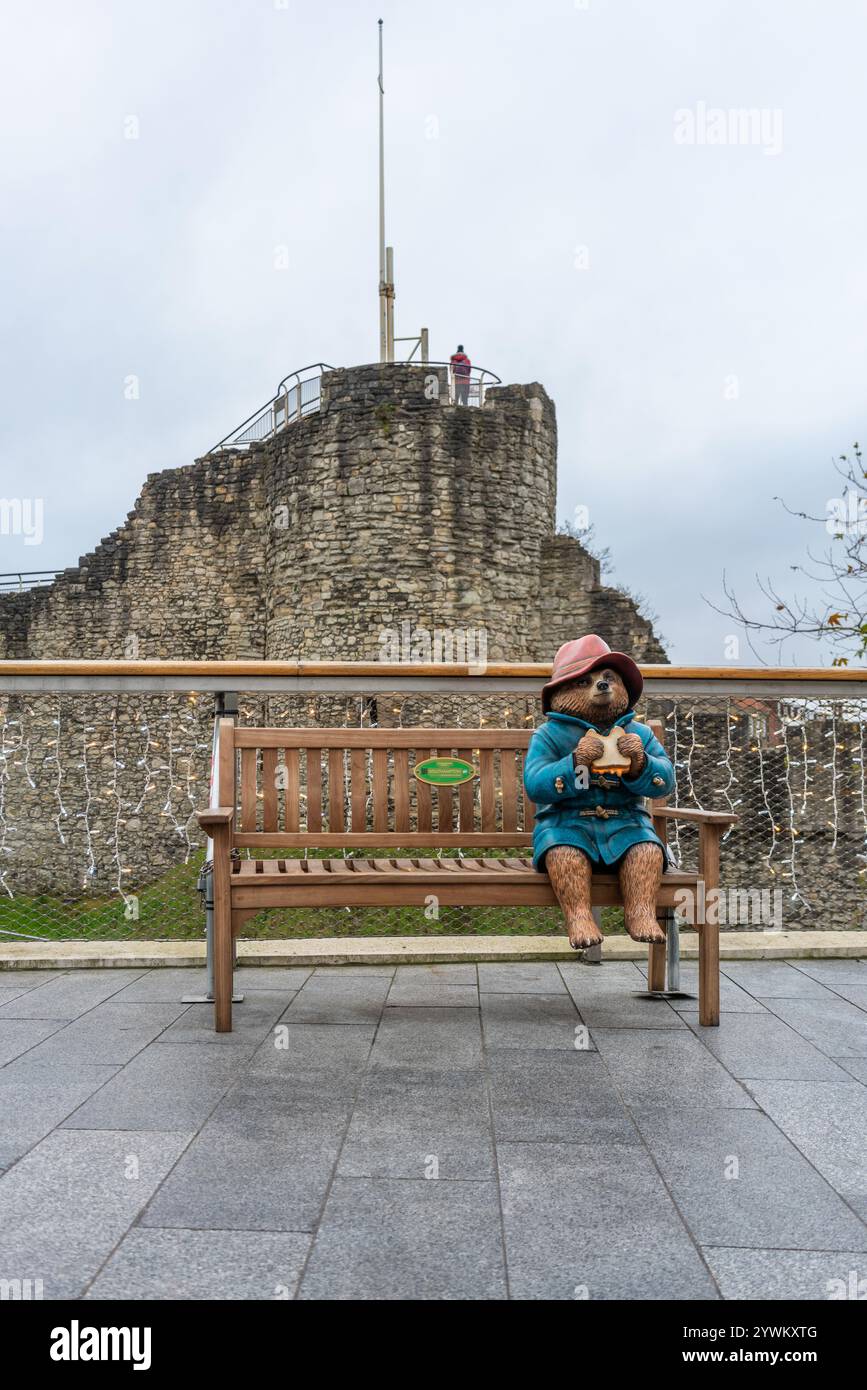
x=524 y=1130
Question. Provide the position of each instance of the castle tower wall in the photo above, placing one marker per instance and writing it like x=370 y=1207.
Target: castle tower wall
x=393 y=507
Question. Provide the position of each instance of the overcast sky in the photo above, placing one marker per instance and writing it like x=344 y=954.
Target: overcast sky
x=558 y=199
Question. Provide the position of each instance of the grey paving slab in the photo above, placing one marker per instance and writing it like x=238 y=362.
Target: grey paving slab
x=19 y=1035
x=289 y=979
x=594 y=1222
x=339 y=999
x=413 y=996
x=169 y=984
x=165 y=985
x=27 y=979
x=772 y=979
x=738 y=1181
x=855 y=994
x=833 y=972
x=70 y=994
x=816 y=1275
x=353 y=972
x=108 y=1034
x=66 y=1204
x=171 y=1086
x=153 y=1264
x=855 y=1066
x=432 y=1038
x=251 y=1021
x=287 y=1048
x=831 y=1024
x=35 y=1098
x=422 y=985
x=606 y=997
x=263 y=1161
x=411 y=1123
x=763 y=1046
x=732 y=998
x=611 y=977
x=524 y=977
x=14 y=983
x=432 y=974
x=665 y=1069
x=531 y=1021
x=428 y=1239
x=858 y=1203
x=827 y=1121
x=554 y=1095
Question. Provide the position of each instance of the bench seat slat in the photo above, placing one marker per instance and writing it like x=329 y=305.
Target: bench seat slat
x=264 y=870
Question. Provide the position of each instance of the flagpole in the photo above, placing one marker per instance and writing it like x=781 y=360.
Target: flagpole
x=383 y=291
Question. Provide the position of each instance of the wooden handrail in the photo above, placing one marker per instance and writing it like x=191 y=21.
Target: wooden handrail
x=535 y=670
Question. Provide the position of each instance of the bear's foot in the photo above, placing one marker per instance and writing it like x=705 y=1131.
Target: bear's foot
x=583 y=932
x=643 y=926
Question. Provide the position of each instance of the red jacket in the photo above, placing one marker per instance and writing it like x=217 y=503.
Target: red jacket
x=460 y=364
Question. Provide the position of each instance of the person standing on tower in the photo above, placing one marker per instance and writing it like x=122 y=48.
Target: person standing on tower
x=460 y=365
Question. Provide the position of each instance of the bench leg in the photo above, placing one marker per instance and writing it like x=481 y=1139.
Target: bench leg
x=223 y=944
x=708 y=975
x=708 y=939
x=656 y=965
x=223 y=973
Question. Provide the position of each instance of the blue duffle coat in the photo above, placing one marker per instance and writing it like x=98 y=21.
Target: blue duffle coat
x=550 y=779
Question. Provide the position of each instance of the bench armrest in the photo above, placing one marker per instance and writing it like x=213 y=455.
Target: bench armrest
x=688 y=813
x=216 y=815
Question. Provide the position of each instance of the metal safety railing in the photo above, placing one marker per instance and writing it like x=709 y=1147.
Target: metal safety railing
x=297 y=395
x=18 y=581
x=471 y=389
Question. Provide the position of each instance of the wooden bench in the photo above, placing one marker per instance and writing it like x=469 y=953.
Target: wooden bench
x=369 y=772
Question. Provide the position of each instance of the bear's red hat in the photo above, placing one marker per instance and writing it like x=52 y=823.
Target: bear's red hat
x=587 y=654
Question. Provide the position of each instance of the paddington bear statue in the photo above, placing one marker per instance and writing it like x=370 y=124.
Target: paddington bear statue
x=588 y=769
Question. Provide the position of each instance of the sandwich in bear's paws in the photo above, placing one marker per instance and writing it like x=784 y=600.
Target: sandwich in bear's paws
x=588 y=769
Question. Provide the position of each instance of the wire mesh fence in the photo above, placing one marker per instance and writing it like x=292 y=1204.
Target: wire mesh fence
x=99 y=793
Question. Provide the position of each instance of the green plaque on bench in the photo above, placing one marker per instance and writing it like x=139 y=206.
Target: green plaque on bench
x=444 y=772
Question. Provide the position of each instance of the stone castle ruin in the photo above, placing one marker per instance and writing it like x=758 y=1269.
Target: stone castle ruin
x=386 y=524
x=382 y=508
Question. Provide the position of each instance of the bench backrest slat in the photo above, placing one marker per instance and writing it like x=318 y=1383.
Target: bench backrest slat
x=269 y=790
x=373 y=798
x=336 y=790
x=314 y=790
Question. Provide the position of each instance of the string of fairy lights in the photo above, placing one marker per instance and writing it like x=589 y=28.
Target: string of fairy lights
x=777 y=740
x=81 y=769
x=795 y=771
